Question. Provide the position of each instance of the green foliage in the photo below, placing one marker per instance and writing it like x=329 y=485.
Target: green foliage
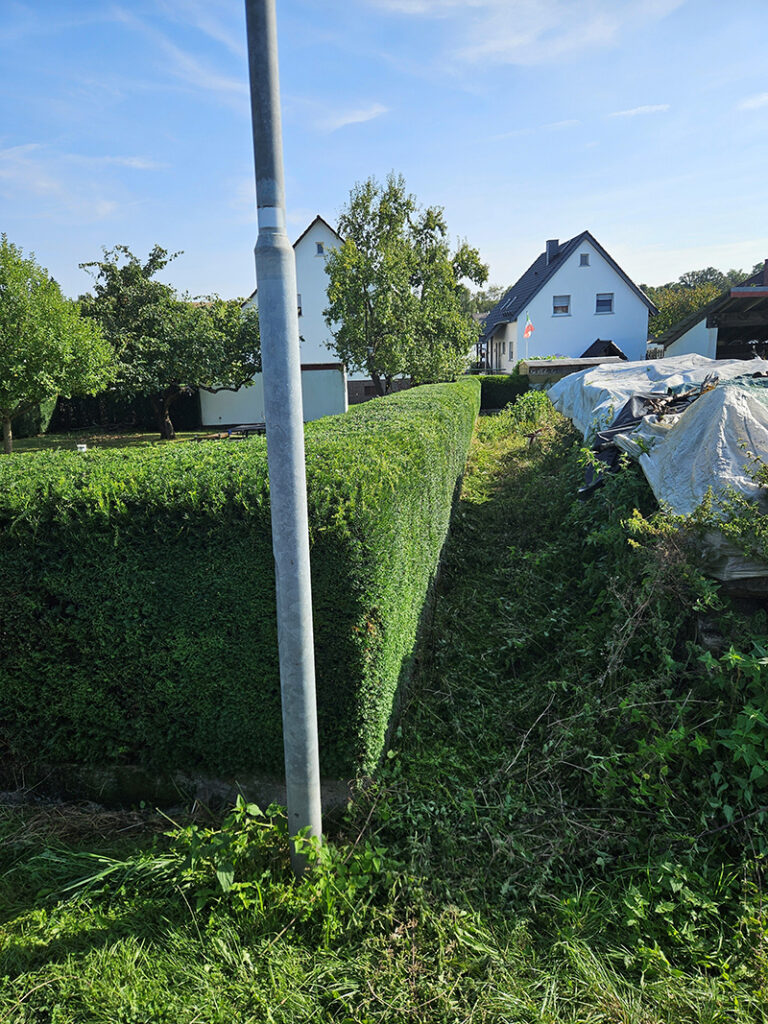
x=692 y=290
x=137 y=616
x=500 y=389
x=483 y=300
x=241 y=867
x=36 y=420
x=394 y=293
x=530 y=410
x=738 y=517
x=539 y=845
x=165 y=344
x=737 y=747
x=46 y=347
x=674 y=304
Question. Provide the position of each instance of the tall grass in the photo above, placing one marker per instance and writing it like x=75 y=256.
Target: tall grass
x=543 y=844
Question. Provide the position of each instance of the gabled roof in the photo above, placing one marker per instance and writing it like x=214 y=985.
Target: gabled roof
x=536 y=276
x=714 y=306
x=306 y=231
x=603 y=347
x=309 y=227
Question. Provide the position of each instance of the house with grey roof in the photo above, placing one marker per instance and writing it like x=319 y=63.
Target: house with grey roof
x=573 y=296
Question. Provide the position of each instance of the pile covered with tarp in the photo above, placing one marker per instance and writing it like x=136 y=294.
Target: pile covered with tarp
x=692 y=423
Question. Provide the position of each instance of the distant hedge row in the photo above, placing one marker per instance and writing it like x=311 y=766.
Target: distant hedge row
x=137 y=621
x=500 y=389
x=108 y=410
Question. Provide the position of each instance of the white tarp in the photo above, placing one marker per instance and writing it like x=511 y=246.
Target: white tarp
x=683 y=456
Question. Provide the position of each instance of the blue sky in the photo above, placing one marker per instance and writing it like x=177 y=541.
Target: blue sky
x=644 y=121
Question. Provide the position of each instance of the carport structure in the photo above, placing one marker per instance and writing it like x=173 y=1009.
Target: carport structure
x=741 y=319
x=732 y=326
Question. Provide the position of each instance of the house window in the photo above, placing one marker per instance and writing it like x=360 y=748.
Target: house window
x=298 y=302
x=503 y=348
x=583 y=259
x=320 y=248
x=604 y=302
x=561 y=305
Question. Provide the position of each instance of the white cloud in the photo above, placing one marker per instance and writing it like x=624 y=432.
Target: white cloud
x=23 y=168
x=529 y=32
x=754 y=102
x=557 y=125
x=136 y=163
x=341 y=118
x=655 y=108
x=198 y=14
x=187 y=67
x=33 y=170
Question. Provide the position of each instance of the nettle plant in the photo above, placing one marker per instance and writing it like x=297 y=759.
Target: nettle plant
x=739 y=746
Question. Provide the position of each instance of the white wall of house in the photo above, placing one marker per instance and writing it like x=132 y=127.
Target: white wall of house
x=320 y=389
x=699 y=338
x=503 y=347
x=312 y=284
x=323 y=392
x=572 y=333
x=311 y=251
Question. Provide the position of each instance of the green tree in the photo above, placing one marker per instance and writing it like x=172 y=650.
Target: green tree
x=675 y=303
x=445 y=332
x=165 y=344
x=707 y=276
x=394 y=293
x=46 y=347
x=692 y=290
x=483 y=300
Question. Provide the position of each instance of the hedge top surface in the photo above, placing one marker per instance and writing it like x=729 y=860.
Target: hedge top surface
x=374 y=439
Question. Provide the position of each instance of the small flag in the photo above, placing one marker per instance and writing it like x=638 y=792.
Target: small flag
x=528 y=327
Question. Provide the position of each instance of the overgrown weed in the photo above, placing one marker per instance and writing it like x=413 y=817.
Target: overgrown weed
x=568 y=827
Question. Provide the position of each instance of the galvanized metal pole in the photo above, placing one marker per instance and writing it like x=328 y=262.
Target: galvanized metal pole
x=278 y=319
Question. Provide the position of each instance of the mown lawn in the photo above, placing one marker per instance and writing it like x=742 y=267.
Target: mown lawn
x=568 y=827
x=118 y=439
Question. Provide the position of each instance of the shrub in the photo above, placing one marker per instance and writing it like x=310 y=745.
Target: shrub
x=499 y=390
x=137 y=614
x=36 y=420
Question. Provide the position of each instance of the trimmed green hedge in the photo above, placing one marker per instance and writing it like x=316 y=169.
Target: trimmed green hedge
x=500 y=389
x=137 y=621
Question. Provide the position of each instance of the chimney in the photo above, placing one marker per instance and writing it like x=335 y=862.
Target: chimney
x=552 y=249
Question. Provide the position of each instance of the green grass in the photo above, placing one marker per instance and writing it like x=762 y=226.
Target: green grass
x=118 y=439
x=547 y=841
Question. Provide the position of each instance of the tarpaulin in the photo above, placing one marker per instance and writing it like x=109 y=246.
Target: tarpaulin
x=684 y=453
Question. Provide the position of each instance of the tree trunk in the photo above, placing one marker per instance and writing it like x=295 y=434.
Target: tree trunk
x=7 y=435
x=162 y=406
x=379 y=384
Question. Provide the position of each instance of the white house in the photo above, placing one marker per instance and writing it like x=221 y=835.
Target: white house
x=323 y=378
x=732 y=326
x=573 y=298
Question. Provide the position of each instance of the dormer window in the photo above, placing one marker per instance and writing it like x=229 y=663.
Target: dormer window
x=320 y=249
x=583 y=259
